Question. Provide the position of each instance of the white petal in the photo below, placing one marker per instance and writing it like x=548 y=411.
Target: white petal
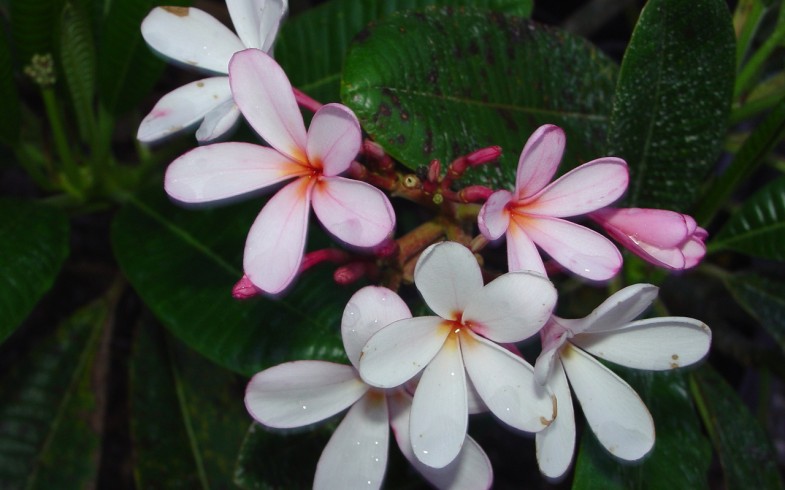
x=368 y=310
x=494 y=217
x=447 y=276
x=473 y=399
x=257 y=20
x=654 y=344
x=440 y=414
x=556 y=444
x=218 y=122
x=615 y=413
x=512 y=307
x=191 y=36
x=356 y=456
x=397 y=352
x=300 y=393
x=506 y=384
x=620 y=308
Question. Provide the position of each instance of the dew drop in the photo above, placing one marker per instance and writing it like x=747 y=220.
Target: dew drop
x=351 y=315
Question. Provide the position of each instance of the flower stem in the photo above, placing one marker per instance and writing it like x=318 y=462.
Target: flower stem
x=73 y=181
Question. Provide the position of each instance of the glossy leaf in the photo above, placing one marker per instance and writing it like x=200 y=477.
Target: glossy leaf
x=50 y=410
x=312 y=46
x=77 y=55
x=681 y=454
x=187 y=415
x=764 y=299
x=441 y=84
x=185 y=267
x=9 y=123
x=33 y=27
x=744 y=450
x=752 y=68
x=758 y=227
x=672 y=100
x=30 y=257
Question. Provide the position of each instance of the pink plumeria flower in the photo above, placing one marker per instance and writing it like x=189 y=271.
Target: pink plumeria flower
x=615 y=413
x=664 y=238
x=353 y=211
x=194 y=38
x=460 y=340
x=301 y=393
x=531 y=215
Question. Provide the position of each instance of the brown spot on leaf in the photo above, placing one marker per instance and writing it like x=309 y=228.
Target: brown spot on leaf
x=178 y=11
x=404 y=116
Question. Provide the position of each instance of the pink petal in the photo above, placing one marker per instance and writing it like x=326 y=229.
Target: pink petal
x=522 y=254
x=218 y=121
x=264 y=96
x=354 y=212
x=334 y=139
x=183 y=107
x=223 y=170
x=658 y=227
x=447 y=276
x=356 y=455
x=257 y=21
x=275 y=244
x=620 y=308
x=494 y=217
x=191 y=36
x=440 y=415
x=587 y=188
x=539 y=160
x=506 y=384
x=368 y=310
x=556 y=444
x=512 y=307
x=300 y=393
x=575 y=247
x=695 y=249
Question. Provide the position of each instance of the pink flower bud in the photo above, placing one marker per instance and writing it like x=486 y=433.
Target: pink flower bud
x=484 y=155
x=244 y=289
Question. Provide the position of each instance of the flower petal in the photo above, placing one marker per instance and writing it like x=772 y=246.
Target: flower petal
x=223 y=170
x=659 y=227
x=218 y=121
x=354 y=212
x=356 y=455
x=264 y=96
x=522 y=254
x=506 y=384
x=615 y=413
x=512 y=307
x=584 y=189
x=447 y=276
x=620 y=308
x=440 y=415
x=183 y=107
x=654 y=344
x=539 y=160
x=552 y=336
x=334 y=138
x=300 y=393
x=577 y=248
x=368 y=310
x=275 y=244
x=494 y=218
x=257 y=20
x=191 y=36
x=399 y=351
x=556 y=444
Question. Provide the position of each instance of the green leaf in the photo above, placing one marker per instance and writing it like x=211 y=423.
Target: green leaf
x=33 y=27
x=441 y=84
x=746 y=21
x=188 y=418
x=312 y=46
x=672 y=100
x=745 y=452
x=681 y=454
x=30 y=258
x=758 y=227
x=12 y=116
x=763 y=299
x=184 y=269
x=50 y=411
x=77 y=56
x=751 y=70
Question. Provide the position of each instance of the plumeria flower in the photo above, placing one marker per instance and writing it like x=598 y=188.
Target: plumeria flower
x=664 y=238
x=615 y=413
x=532 y=214
x=460 y=341
x=301 y=393
x=194 y=38
x=353 y=211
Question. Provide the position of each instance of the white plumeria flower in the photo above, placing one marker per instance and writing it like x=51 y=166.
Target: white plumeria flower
x=614 y=411
x=194 y=38
x=459 y=341
x=301 y=393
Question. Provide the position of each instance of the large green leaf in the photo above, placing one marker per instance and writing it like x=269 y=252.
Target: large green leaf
x=672 y=100
x=758 y=227
x=681 y=454
x=50 y=410
x=188 y=419
x=77 y=56
x=764 y=299
x=312 y=46
x=184 y=269
x=30 y=257
x=744 y=450
x=441 y=84
x=9 y=123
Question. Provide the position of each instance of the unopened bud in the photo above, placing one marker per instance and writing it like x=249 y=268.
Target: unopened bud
x=484 y=155
x=434 y=171
x=475 y=193
x=349 y=273
x=373 y=149
x=42 y=70
x=245 y=289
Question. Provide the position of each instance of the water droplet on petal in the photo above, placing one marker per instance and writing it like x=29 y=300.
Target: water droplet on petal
x=351 y=315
